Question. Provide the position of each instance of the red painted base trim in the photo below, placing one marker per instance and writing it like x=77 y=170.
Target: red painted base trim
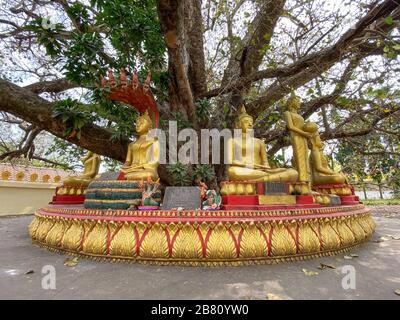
x=305 y=200
x=68 y=199
x=240 y=200
x=349 y=200
x=270 y=207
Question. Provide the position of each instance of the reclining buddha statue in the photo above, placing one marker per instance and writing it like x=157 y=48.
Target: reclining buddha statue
x=143 y=155
x=247 y=157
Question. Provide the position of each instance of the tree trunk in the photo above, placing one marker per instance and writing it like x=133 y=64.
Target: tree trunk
x=181 y=24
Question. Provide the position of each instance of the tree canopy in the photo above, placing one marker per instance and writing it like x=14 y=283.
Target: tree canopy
x=206 y=58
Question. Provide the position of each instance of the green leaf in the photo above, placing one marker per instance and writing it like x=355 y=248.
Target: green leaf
x=389 y=20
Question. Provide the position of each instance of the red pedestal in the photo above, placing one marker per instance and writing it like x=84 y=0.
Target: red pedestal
x=66 y=199
x=251 y=203
x=349 y=200
x=304 y=200
x=240 y=200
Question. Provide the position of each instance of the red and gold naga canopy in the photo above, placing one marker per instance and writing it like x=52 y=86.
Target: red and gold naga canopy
x=132 y=92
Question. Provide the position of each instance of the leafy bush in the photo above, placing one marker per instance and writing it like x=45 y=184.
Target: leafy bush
x=204 y=172
x=179 y=173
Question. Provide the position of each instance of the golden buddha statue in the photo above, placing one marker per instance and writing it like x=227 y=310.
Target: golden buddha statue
x=251 y=163
x=320 y=171
x=295 y=124
x=91 y=163
x=143 y=155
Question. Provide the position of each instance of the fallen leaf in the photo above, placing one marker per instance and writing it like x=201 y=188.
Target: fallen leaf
x=272 y=296
x=29 y=272
x=397 y=291
x=309 y=273
x=323 y=266
x=71 y=262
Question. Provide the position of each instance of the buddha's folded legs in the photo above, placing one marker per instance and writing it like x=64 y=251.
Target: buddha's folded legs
x=77 y=181
x=248 y=174
x=289 y=175
x=329 y=179
x=141 y=175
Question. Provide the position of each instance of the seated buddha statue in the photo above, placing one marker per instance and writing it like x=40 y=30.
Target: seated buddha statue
x=247 y=157
x=91 y=163
x=143 y=155
x=320 y=171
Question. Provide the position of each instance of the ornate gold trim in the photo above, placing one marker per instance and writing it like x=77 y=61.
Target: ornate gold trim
x=200 y=213
x=206 y=243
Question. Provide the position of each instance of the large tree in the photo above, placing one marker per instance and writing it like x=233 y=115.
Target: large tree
x=206 y=58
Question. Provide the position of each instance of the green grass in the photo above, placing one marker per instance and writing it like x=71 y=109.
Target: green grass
x=380 y=202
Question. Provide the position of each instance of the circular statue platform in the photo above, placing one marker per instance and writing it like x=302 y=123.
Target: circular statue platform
x=210 y=238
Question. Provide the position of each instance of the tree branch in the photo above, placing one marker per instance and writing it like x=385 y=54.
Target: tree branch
x=326 y=57
x=31 y=108
x=54 y=86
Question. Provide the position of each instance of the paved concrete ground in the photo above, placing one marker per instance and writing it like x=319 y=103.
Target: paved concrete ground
x=377 y=273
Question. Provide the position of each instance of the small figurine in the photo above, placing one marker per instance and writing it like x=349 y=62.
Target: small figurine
x=211 y=200
x=147 y=200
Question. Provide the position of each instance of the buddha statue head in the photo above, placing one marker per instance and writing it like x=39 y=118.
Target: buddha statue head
x=293 y=103
x=144 y=123
x=315 y=141
x=244 y=121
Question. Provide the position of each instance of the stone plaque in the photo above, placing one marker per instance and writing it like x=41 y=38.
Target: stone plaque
x=188 y=198
x=276 y=188
x=335 y=201
x=107 y=176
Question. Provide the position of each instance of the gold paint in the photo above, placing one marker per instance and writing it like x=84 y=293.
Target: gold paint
x=55 y=235
x=67 y=234
x=346 y=235
x=142 y=159
x=248 y=157
x=253 y=243
x=330 y=239
x=276 y=199
x=5 y=175
x=320 y=171
x=155 y=243
x=33 y=226
x=220 y=244
x=20 y=176
x=73 y=236
x=124 y=242
x=187 y=244
x=96 y=238
x=359 y=233
x=44 y=229
x=282 y=242
x=308 y=240
x=91 y=164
